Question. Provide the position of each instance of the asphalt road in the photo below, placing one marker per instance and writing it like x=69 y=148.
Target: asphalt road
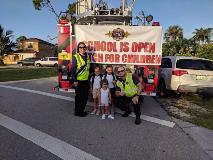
x=36 y=124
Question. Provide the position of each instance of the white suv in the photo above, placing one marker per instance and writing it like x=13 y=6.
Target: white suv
x=185 y=74
x=47 y=61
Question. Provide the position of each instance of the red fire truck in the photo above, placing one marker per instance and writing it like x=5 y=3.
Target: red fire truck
x=99 y=14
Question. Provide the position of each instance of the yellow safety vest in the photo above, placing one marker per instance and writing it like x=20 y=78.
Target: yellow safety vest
x=130 y=88
x=84 y=74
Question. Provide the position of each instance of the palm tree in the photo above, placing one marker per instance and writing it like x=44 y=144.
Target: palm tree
x=174 y=37
x=6 y=44
x=19 y=41
x=202 y=35
x=173 y=33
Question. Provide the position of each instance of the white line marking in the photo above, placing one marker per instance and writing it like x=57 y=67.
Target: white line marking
x=144 y=117
x=57 y=147
x=27 y=80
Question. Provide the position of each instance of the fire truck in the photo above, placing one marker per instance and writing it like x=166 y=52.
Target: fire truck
x=93 y=15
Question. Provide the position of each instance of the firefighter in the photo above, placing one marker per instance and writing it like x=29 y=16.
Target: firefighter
x=80 y=75
x=128 y=91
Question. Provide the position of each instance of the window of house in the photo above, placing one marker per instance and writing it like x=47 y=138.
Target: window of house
x=29 y=45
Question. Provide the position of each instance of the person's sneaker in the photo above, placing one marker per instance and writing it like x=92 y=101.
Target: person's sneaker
x=97 y=113
x=138 y=120
x=83 y=114
x=103 y=116
x=111 y=117
x=93 y=112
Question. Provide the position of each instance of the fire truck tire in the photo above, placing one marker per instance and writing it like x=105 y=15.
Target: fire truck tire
x=162 y=91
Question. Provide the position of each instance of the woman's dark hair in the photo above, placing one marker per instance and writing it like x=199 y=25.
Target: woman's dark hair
x=80 y=43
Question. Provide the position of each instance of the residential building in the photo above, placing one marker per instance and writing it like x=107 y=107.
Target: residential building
x=32 y=47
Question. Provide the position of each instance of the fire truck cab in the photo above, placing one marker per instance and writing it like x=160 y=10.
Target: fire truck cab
x=88 y=12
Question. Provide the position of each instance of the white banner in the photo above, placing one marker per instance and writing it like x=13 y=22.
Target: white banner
x=138 y=45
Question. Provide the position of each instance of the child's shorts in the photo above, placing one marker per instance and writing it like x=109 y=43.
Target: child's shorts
x=95 y=92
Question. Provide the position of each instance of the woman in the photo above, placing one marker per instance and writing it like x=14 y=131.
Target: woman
x=80 y=75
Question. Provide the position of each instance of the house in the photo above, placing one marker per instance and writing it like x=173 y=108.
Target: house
x=32 y=47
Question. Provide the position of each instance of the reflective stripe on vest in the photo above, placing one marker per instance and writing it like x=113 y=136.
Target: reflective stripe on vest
x=130 y=87
x=84 y=74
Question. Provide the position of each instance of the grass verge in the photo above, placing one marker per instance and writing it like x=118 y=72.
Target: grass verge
x=14 y=74
x=199 y=117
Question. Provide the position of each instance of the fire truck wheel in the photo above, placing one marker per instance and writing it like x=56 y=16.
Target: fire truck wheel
x=162 y=91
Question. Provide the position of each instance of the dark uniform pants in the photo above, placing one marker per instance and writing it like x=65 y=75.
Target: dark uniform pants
x=123 y=103
x=81 y=96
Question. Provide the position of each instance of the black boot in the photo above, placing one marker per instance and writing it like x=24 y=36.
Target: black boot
x=138 y=120
x=81 y=114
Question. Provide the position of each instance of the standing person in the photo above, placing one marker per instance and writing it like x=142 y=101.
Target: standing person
x=80 y=75
x=95 y=85
x=109 y=75
x=128 y=91
x=104 y=98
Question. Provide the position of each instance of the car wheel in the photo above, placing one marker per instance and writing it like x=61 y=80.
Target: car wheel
x=20 y=64
x=38 y=65
x=162 y=91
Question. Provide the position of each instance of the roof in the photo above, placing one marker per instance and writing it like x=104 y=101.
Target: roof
x=38 y=40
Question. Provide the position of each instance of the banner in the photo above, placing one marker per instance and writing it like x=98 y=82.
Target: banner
x=137 y=45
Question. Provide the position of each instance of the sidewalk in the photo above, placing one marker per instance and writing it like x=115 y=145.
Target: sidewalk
x=10 y=66
x=202 y=136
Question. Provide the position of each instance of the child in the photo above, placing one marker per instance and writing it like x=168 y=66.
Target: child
x=109 y=75
x=95 y=87
x=104 y=98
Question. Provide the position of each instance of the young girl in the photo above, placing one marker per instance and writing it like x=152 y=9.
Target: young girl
x=109 y=75
x=104 y=98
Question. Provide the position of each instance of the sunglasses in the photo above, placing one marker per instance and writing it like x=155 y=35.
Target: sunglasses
x=120 y=71
x=82 y=47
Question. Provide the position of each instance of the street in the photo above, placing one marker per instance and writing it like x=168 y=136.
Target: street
x=37 y=123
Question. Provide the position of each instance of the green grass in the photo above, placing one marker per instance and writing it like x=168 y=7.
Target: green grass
x=14 y=74
x=204 y=119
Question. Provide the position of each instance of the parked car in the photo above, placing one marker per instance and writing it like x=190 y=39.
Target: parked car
x=185 y=74
x=47 y=61
x=27 y=61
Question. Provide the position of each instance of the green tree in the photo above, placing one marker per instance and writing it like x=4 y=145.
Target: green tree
x=19 y=41
x=205 y=51
x=174 y=39
x=202 y=35
x=6 y=45
x=173 y=33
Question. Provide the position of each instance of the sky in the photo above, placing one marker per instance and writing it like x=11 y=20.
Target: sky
x=21 y=17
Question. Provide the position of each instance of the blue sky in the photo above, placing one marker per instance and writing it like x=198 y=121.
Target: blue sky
x=21 y=17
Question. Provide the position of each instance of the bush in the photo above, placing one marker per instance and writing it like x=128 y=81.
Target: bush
x=205 y=51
